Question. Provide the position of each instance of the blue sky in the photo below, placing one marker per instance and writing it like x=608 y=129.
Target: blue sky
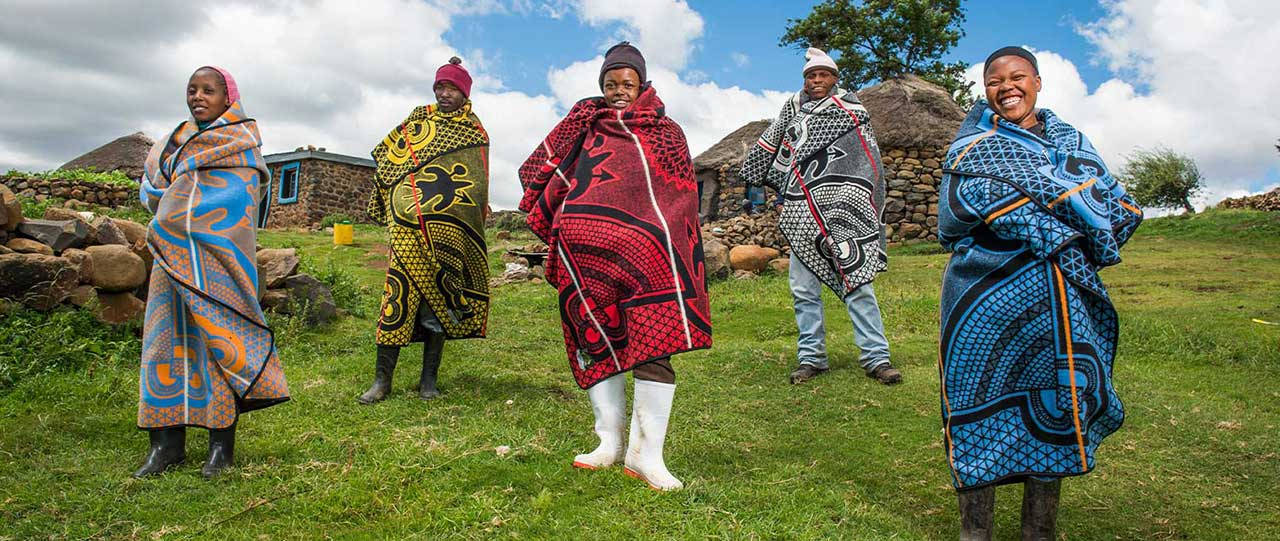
x=752 y=28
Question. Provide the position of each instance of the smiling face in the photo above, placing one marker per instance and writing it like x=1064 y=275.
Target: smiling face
x=621 y=87
x=448 y=96
x=1012 y=85
x=818 y=82
x=207 y=95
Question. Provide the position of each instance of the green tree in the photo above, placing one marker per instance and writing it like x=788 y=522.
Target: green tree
x=1162 y=178
x=884 y=39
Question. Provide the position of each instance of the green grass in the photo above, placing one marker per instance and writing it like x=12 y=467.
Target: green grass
x=839 y=457
x=115 y=178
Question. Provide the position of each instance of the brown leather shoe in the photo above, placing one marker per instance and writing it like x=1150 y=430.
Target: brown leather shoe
x=805 y=373
x=886 y=374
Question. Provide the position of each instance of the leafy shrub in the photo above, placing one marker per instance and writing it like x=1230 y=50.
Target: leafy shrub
x=331 y=219
x=34 y=343
x=1162 y=178
x=35 y=209
x=87 y=175
x=347 y=292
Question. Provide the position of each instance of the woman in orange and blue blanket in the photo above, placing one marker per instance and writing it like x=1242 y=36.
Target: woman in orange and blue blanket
x=207 y=353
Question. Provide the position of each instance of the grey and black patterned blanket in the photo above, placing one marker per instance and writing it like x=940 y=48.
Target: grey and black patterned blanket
x=821 y=156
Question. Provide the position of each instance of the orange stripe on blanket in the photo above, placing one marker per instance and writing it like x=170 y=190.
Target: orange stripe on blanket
x=1007 y=209
x=1071 y=192
x=1132 y=208
x=1071 y=364
x=995 y=124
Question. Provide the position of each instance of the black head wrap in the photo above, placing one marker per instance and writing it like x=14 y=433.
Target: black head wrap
x=623 y=55
x=1014 y=51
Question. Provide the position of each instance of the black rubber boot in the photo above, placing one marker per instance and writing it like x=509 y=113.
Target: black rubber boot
x=222 y=452
x=1040 y=509
x=432 y=350
x=383 y=369
x=977 y=513
x=168 y=449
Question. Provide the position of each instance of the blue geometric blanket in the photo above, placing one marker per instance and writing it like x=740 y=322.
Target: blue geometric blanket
x=1028 y=330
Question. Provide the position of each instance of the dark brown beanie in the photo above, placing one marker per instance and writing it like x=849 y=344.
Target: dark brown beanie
x=623 y=55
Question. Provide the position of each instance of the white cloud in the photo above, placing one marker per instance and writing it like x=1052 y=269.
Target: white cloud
x=665 y=30
x=327 y=73
x=740 y=59
x=1205 y=87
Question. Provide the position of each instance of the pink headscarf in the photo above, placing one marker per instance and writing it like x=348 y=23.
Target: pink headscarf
x=233 y=93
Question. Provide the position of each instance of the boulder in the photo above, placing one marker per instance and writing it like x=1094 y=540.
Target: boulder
x=10 y=209
x=83 y=295
x=5 y=250
x=83 y=261
x=502 y=235
x=743 y=275
x=133 y=231
x=116 y=308
x=911 y=230
x=275 y=265
x=310 y=298
x=780 y=265
x=116 y=268
x=57 y=234
x=716 y=257
x=750 y=257
x=39 y=281
x=274 y=298
x=105 y=231
x=28 y=246
x=60 y=214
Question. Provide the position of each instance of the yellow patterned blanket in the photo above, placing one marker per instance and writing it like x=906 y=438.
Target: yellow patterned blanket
x=430 y=191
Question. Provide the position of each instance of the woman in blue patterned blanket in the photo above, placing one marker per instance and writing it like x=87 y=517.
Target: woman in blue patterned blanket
x=1030 y=214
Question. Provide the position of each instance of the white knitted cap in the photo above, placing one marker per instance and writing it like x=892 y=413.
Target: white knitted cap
x=817 y=58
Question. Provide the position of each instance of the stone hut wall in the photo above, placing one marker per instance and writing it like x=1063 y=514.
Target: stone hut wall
x=107 y=195
x=324 y=188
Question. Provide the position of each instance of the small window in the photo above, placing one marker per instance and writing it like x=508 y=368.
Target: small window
x=288 y=183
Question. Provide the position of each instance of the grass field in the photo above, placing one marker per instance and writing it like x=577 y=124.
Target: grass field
x=839 y=457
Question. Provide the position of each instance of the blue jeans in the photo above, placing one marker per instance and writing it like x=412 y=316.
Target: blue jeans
x=868 y=329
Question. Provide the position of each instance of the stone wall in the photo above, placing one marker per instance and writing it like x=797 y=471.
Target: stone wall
x=324 y=188
x=107 y=195
x=911 y=203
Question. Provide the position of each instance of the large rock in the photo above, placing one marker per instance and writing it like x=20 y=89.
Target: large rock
x=781 y=265
x=274 y=298
x=56 y=234
x=37 y=280
x=133 y=231
x=716 y=255
x=105 y=231
x=750 y=257
x=118 y=308
x=83 y=261
x=28 y=246
x=116 y=268
x=275 y=265
x=60 y=214
x=10 y=209
x=83 y=295
x=310 y=298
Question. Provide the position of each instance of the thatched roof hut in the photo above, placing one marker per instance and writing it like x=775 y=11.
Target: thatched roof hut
x=732 y=149
x=126 y=154
x=912 y=113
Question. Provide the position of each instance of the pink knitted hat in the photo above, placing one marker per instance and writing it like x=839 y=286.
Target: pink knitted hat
x=233 y=93
x=456 y=74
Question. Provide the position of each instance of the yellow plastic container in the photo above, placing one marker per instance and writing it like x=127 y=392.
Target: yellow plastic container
x=342 y=234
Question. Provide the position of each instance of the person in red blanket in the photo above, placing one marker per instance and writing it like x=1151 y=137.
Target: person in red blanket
x=612 y=192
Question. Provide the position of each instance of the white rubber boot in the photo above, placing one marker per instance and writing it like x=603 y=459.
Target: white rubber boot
x=649 y=417
x=609 y=404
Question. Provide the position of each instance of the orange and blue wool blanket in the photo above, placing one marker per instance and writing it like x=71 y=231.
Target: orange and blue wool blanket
x=1028 y=331
x=207 y=352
